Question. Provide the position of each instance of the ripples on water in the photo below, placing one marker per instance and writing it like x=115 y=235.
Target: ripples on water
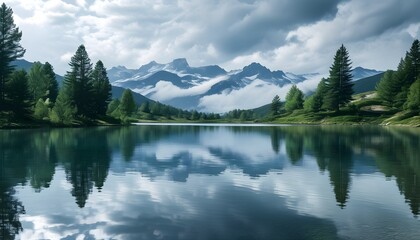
x=210 y=182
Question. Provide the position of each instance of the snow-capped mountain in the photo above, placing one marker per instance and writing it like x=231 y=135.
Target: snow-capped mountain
x=211 y=88
x=179 y=67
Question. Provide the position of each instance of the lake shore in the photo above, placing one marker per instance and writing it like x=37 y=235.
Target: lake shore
x=413 y=124
x=277 y=122
x=407 y=119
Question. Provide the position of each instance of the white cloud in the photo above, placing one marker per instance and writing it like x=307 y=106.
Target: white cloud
x=365 y=28
x=310 y=83
x=81 y=3
x=166 y=90
x=256 y=94
x=66 y=57
x=297 y=36
x=50 y=12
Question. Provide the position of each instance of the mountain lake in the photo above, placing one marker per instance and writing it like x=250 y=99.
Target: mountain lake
x=201 y=181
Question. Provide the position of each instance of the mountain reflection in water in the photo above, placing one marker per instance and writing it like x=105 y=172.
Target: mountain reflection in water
x=210 y=182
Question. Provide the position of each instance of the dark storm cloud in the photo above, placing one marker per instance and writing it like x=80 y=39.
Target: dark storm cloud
x=262 y=24
x=377 y=18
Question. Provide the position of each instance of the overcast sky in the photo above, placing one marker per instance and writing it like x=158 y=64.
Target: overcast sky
x=299 y=36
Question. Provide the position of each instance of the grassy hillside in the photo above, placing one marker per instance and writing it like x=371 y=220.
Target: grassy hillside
x=366 y=108
x=360 y=86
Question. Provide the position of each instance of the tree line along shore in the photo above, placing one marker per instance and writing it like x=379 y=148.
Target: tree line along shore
x=35 y=98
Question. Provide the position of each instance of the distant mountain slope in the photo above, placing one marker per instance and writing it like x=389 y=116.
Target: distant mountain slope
x=360 y=73
x=204 y=88
x=22 y=64
x=178 y=66
x=262 y=111
x=138 y=98
x=25 y=65
x=116 y=91
x=211 y=88
x=367 y=84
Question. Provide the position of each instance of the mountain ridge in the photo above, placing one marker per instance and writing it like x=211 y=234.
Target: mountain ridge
x=211 y=88
x=360 y=72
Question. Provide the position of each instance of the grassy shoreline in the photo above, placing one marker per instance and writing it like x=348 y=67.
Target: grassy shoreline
x=299 y=117
x=413 y=123
x=365 y=109
x=400 y=119
x=19 y=126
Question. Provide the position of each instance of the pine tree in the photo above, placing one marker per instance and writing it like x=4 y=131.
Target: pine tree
x=294 y=99
x=38 y=82
x=127 y=105
x=413 y=57
x=388 y=88
x=156 y=109
x=101 y=88
x=309 y=103
x=64 y=110
x=79 y=83
x=41 y=109
x=413 y=99
x=145 y=107
x=339 y=83
x=243 y=116
x=112 y=106
x=10 y=49
x=394 y=91
x=275 y=105
x=53 y=84
x=400 y=82
x=18 y=94
x=315 y=102
x=166 y=111
x=194 y=115
x=320 y=93
x=408 y=72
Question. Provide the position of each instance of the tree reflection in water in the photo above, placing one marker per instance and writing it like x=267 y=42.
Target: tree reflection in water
x=30 y=157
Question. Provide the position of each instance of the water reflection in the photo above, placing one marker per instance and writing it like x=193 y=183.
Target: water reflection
x=175 y=154
x=10 y=175
x=86 y=157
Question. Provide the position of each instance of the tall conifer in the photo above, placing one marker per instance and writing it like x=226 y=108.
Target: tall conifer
x=388 y=88
x=127 y=105
x=339 y=84
x=275 y=105
x=294 y=99
x=10 y=49
x=102 y=89
x=78 y=82
x=53 y=84
x=18 y=94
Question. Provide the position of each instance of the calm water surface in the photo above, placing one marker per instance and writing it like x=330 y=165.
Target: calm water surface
x=210 y=182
